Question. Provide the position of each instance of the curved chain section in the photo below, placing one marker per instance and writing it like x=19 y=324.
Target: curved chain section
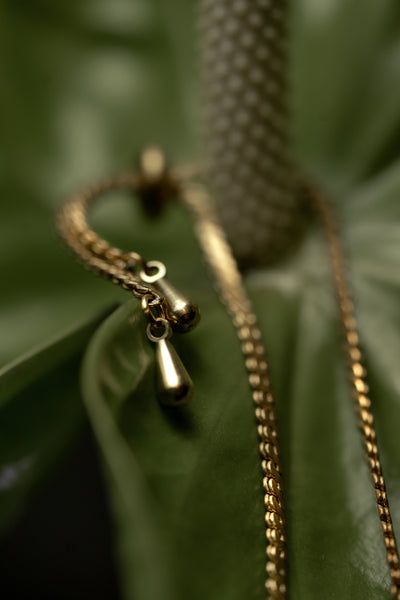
x=229 y=283
x=358 y=380
x=95 y=253
x=118 y=266
x=114 y=264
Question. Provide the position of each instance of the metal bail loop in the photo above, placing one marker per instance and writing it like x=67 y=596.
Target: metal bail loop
x=175 y=387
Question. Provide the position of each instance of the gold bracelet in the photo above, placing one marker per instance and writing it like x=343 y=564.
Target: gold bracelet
x=167 y=309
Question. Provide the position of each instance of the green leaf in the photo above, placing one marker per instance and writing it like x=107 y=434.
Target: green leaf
x=40 y=415
x=345 y=88
x=84 y=86
x=199 y=468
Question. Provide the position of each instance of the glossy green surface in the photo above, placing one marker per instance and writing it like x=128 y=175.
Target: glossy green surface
x=93 y=81
x=40 y=414
x=199 y=466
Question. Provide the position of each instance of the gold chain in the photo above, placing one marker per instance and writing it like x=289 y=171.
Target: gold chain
x=94 y=252
x=120 y=267
x=232 y=292
x=358 y=380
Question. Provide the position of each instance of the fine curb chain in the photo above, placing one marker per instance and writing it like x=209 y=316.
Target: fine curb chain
x=120 y=267
x=229 y=284
x=358 y=380
x=99 y=256
x=95 y=253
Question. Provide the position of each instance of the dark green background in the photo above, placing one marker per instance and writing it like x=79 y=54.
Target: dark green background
x=83 y=85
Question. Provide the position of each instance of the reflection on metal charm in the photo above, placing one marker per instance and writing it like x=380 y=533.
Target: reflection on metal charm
x=175 y=386
x=182 y=313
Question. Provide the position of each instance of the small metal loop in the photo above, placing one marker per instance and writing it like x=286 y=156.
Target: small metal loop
x=133 y=260
x=151 y=306
x=145 y=305
x=145 y=274
x=158 y=323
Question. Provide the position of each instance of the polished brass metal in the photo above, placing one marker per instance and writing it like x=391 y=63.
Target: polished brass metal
x=153 y=271
x=161 y=302
x=157 y=329
x=229 y=283
x=95 y=253
x=174 y=385
x=183 y=314
x=358 y=380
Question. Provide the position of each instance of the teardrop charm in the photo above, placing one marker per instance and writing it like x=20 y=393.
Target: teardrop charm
x=183 y=314
x=175 y=386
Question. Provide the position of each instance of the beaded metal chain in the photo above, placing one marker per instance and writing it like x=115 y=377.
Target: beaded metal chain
x=167 y=309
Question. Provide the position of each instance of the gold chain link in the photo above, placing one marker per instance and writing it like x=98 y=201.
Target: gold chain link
x=118 y=266
x=229 y=283
x=358 y=380
x=95 y=253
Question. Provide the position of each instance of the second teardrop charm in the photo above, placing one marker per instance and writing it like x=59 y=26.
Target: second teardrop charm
x=175 y=386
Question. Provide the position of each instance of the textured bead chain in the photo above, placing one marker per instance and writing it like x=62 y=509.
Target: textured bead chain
x=92 y=251
x=358 y=380
x=229 y=284
x=119 y=267
x=126 y=269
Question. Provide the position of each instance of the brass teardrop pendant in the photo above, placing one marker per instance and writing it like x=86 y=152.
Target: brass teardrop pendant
x=175 y=386
x=183 y=314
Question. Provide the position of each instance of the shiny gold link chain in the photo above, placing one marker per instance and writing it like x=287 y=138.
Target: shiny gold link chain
x=229 y=283
x=94 y=252
x=118 y=266
x=358 y=380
